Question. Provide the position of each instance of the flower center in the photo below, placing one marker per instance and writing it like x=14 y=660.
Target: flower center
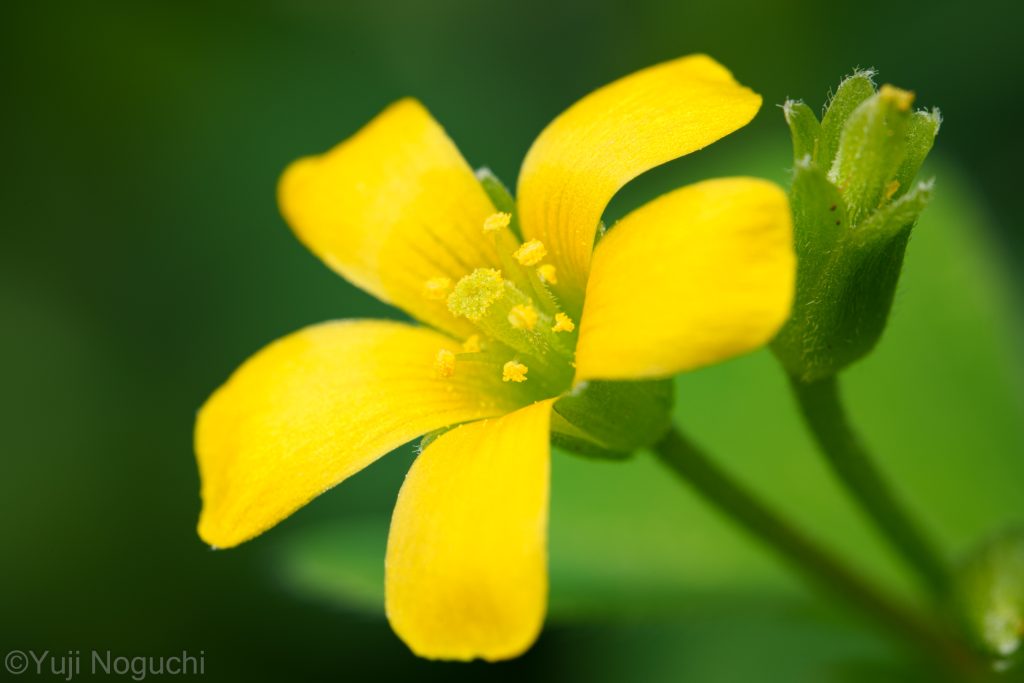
x=521 y=328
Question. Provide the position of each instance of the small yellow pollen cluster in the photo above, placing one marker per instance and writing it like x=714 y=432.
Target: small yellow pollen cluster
x=563 y=323
x=437 y=288
x=899 y=97
x=472 y=344
x=522 y=317
x=497 y=221
x=514 y=371
x=531 y=253
x=444 y=363
x=547 y=274
x=475 y=293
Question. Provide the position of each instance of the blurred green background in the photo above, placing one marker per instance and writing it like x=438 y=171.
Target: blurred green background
x=143 y=258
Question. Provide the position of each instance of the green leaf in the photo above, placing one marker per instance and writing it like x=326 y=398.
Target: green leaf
x=854 y=89
x=339 y=562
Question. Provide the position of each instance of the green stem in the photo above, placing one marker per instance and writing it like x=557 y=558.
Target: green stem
x=823 y=410
x=718 y=488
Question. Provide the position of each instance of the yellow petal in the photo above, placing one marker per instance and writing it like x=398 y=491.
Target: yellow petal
x=694 y=277
x=319 y=405
x=613 y=135
x=392 y=208
x=466 y=570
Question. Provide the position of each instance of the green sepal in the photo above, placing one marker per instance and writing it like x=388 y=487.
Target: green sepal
x=605 y=420
x=803 y=346
x=568 y=438
x=429 y=438
x=612 y=419
x=851 y=93
x=500 y=196
x=843 y=302
x=896 y=217
x=819 y=214
x=803 y=128
x=920 y=136
x=989 y=595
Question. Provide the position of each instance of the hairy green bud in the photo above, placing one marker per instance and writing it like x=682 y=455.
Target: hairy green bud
x=855 y=201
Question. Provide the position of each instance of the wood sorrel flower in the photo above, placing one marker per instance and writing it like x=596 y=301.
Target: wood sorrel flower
x=510 y=325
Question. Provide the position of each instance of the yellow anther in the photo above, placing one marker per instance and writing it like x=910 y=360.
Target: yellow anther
x=898 y=96
x=475 y=293
x=514 y=371
x=472 y=344
x=497 y=221
x=437 y=288
x=531 y=253
x=522 y=317
x=563 y=323
x=547 y=274
x=444 y=363
x=891 y=187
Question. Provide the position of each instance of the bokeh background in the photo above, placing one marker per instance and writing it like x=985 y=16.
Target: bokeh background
x=143 y=258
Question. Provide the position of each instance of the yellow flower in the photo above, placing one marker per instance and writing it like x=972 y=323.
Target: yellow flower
x=696 y=276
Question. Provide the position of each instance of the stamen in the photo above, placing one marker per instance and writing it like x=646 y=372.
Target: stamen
x=475 y=293
x=531 y=253
x=444 y=363
x=563 y=323
x=547 y=274
x=522 y=317
x=437 y=288
x=472 y=344
x=497 y=222
x=514 y=371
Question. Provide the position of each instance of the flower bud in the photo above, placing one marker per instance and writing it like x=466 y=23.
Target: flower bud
x=854 y=199
x=990 y=597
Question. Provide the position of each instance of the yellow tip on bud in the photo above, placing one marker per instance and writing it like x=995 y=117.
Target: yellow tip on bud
x=444 y=363
x=475 y=293
x=531 y=253
x=437 y=288
x=522 y=317
x=547 y=274
x=563 y=323
x=472 y=344
x=902 y=99
x=514 y=371
x=497 y=221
